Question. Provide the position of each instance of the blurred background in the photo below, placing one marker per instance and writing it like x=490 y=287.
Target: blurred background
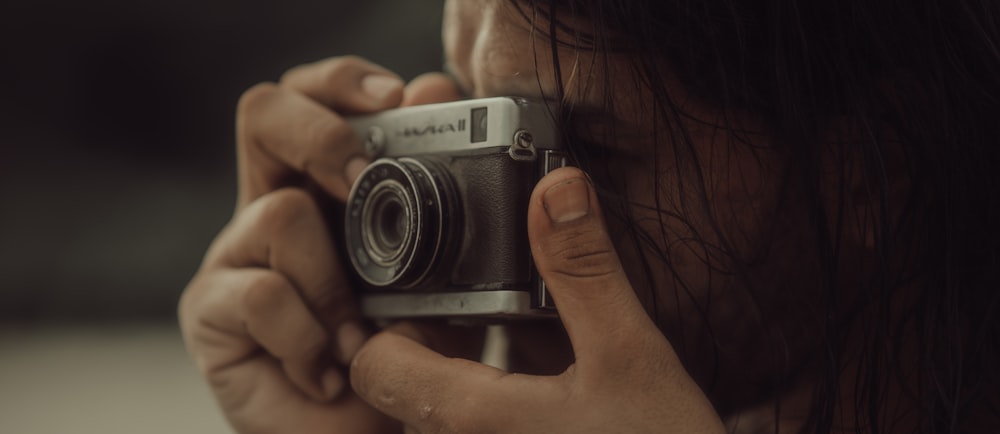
x=116 y=171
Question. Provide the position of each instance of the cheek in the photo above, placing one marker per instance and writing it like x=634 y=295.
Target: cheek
x=688 y=261
x=708 y=204
x=698 y=228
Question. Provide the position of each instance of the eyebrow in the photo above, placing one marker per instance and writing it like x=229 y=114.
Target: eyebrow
x=463 y=87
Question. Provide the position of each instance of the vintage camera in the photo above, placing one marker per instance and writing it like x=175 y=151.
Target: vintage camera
x=437 y=225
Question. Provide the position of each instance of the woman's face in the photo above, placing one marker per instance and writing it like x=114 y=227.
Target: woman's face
x=697 y=205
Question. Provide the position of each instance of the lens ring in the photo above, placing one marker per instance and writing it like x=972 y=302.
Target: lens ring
x=376 y=261
x=437 y=196
x=391 y=218
x=396 y=223
x=386 y=222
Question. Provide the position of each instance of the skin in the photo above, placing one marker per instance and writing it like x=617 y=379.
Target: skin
x=723 y=332
x=271 y=321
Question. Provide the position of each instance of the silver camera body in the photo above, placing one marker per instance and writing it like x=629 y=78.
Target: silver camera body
x=437 y=225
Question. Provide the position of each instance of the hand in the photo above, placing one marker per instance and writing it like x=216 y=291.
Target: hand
x=625 y=378
x=270 y=318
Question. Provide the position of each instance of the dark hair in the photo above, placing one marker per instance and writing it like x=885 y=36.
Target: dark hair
x=911 y=92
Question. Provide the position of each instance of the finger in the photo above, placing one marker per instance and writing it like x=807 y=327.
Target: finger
x=285 y=232
x=348 y=84
x=253 y=386
x=286 y=129
x=397 y=374
x=271 y=407
x=579 y=264
x=294 y=128
x=284 y=136
x=430 y=88
x=231 y=312
x=465 y=341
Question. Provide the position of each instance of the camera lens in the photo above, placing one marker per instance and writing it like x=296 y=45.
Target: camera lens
x=385 y=221
x=392 y=224
x=397 y=219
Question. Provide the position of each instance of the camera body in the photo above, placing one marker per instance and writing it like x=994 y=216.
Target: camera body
x=436 y=226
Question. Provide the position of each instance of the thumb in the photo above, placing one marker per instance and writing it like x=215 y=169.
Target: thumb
x=578 y=262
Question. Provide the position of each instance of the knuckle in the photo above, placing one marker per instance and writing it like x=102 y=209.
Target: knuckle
x=282 y=209
x=268 y=300
x=186 y=307
x=196 y=303
x=217 y=249
x=347 y=63
x=289 y=74
x=188 y=300
x=328 y=130
x=352 y=59
x=338 y=69
x=265 y=293
x=254 y=97
x=326 y=72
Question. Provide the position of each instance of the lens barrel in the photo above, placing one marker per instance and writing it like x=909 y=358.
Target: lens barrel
x=397 y=221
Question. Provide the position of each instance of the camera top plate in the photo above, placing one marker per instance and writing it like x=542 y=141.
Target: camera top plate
x=460 y=125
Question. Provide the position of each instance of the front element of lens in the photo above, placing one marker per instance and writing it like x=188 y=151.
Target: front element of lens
x=396 y=223
x=386 y=222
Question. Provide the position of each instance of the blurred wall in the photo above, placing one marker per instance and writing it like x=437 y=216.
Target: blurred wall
x=116 y=144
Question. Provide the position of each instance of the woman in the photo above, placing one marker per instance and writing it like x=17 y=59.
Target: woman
x=781 y=222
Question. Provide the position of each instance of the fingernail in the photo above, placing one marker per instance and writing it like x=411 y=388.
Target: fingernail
x=354 y=168
x=380 y=86
x=350 y=338
x=333 y=382
x=568 y=200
